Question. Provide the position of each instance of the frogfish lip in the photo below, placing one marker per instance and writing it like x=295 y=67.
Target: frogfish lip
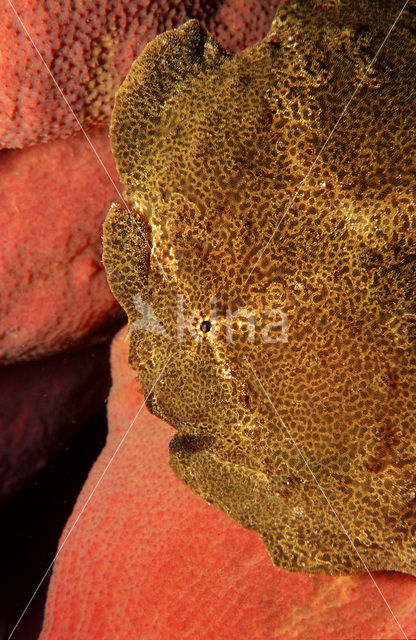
x=188 y=444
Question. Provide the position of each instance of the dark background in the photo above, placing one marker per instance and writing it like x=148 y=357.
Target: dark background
x=30 y=527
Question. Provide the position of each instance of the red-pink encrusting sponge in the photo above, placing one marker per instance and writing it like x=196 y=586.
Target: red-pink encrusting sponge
x=89 y=47
x=149 y=559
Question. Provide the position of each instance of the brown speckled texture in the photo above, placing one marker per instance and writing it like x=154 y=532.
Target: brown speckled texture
x=212 y=148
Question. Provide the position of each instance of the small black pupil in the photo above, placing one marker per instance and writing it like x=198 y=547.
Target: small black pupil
x=205 y=326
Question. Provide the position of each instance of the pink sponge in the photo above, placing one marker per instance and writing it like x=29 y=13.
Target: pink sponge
x=54 y=294
x=148 y=559
x=89 y=46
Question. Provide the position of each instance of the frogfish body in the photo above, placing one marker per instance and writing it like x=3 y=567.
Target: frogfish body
x=267 y=264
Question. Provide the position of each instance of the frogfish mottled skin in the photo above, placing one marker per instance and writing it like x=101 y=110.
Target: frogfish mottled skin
x=292 y=385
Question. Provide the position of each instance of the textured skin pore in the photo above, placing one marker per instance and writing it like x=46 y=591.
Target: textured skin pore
x=212 y=148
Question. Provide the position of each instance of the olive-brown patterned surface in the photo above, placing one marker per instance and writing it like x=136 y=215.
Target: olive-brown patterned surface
x=213 y=151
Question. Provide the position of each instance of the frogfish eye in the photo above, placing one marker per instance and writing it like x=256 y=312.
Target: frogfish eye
x=205 y=326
